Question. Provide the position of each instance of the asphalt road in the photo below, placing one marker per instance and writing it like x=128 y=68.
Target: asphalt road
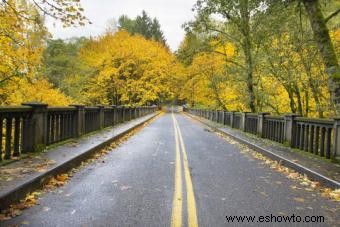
x=174 y=172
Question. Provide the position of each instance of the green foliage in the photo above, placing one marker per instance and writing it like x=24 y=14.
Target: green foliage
x=143 y=25
x=271 y=61
x=63 y=67
x=192 y=44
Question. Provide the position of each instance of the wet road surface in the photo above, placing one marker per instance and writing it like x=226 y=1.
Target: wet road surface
x=176 y=172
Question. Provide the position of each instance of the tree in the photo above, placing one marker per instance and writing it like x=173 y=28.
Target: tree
x=63 y=67
x=209 y=84
x=327 y=51
x=21 y=48
x=20 y=90
x=69 y=12
x=130 y=70
x=287 y=71
x=21 y=42
x=143 y=25
x=239 y=27
x=290 y=56
x=192 y=44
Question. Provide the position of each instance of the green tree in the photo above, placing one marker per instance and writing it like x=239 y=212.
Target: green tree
x=193 y=44
x=144 y=25
x=325 y=45
x=63 y=67
x=238 y=25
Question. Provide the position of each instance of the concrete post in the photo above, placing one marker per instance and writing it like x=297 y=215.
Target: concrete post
x=260 y=124
x=38 y=127
x=79 y=120
x=130 y=111
x=127 y=113
x=121 y=115
x=243 y=121
x=336 y=140
x=101 y=116
x=232 y=117
x=290 y=129
x=138 y=111
x=114 y=109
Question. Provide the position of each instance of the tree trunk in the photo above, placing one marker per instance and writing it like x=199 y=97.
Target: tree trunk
x=217 y=96
x=307 y=103
x=291 y=101
x=192 y=95
x=247 y=53
x=299 y=100
x=323 y=40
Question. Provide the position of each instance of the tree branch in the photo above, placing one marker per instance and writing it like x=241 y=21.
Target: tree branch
x=332 y=15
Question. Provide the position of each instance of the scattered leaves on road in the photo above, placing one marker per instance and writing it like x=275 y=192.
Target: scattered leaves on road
x=16 y=210
x=303 y=180
x=59 y=180
x=300 y=200
x=34 y=164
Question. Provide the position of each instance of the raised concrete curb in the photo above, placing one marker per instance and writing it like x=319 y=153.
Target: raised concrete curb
x=288 y=163
x=20 y=191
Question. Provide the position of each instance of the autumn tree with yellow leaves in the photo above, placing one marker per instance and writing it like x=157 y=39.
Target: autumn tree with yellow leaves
x=236 y=61
x=272 y=67
x=21 y=47
x=130 y=70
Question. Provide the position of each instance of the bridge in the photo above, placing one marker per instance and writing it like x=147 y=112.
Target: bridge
x=139 y=166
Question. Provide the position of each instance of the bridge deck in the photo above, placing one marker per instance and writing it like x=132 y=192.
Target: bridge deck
x=135 y=185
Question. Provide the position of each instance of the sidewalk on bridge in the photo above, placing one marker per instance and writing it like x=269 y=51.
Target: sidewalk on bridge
x=27 y=174
x=316 y=167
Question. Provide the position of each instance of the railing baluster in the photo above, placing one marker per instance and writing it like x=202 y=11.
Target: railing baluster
x=322 y=142
x=328 y=143
x=53 y=128
x=57 y=128
x=311 y=141
x=8 y=138
x=16 y=145
x=1 y=133
x=317 y=139
x=305 y=147
x=302 y=136
x=49 y=129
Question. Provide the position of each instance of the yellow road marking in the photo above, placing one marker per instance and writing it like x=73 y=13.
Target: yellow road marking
x=176 y=218
x=191 y=204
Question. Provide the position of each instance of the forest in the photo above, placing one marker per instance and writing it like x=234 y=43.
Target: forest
x=277 y=56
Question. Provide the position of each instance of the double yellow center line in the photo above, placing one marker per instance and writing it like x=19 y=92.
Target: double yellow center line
x=176 y=218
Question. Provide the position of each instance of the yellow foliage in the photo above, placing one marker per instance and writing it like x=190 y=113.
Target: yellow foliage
x=21 y=47
x=227 y=49
x=208 y=84
x=131 y=70
x=19 y=90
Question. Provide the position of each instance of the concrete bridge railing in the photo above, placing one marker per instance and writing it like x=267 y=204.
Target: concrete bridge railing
x=33 y=126
x=318 y=136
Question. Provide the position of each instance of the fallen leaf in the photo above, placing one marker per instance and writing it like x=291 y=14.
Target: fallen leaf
x=300 y=200
x=264 y=194
x=123 y=188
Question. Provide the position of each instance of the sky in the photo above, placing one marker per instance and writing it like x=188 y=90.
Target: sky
x=170 y=13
